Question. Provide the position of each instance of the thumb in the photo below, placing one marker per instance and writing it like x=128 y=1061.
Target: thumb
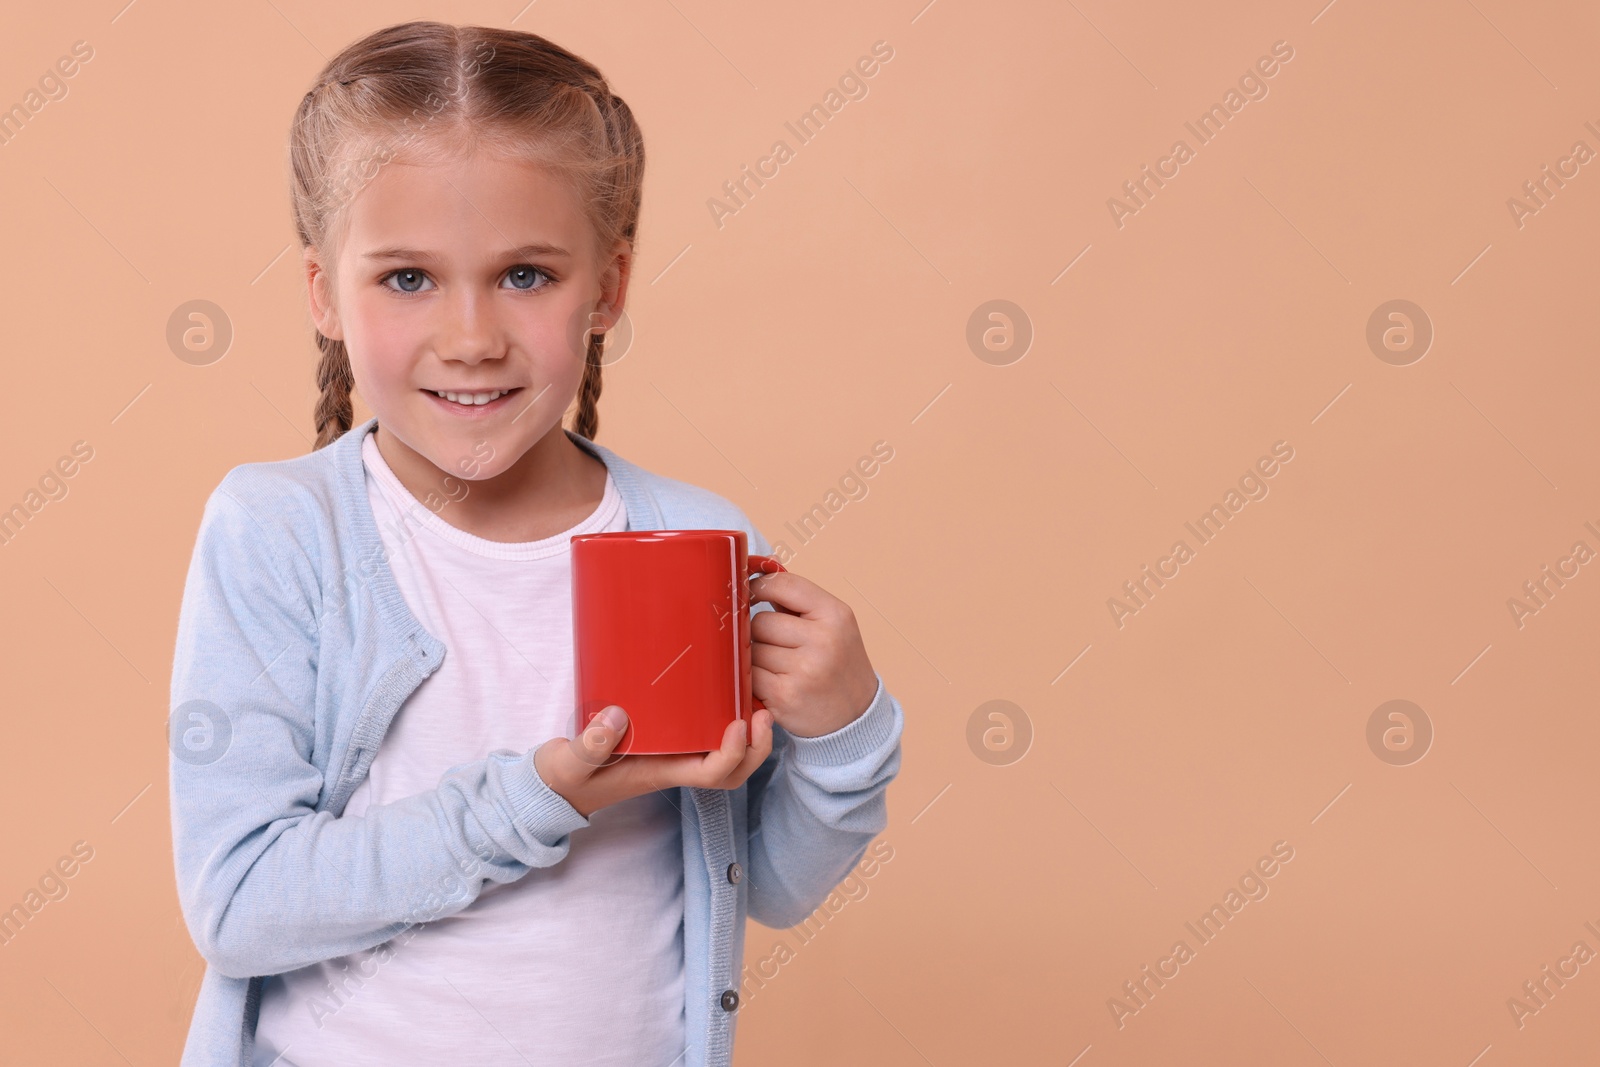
x=566 y=764
x=592 y=749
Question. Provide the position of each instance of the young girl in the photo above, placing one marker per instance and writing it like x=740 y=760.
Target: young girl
x=390 y=847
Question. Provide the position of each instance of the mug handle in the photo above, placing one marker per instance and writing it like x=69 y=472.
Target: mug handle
x=763 y=565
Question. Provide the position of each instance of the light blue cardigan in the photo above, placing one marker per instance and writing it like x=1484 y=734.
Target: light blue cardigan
x=295 y=649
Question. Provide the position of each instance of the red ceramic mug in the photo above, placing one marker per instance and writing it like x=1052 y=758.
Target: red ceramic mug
x=661 y=627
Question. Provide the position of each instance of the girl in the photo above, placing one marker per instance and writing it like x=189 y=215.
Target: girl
x=389 y=846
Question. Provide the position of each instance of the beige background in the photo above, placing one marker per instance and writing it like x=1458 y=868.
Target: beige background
x=831 y=312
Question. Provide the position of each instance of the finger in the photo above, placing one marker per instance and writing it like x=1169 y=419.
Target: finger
x=720 y=762
x=592 y=749
x=790 y=592
x=777 y=628
x=776 y=658
x=725 y=767
x=762 y=682
x=755 y=754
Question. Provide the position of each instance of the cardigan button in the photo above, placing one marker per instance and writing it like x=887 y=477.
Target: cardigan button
x=730 y=999
x=735 y=872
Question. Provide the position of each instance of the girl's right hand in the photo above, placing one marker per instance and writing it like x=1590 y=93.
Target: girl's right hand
x=583 y=771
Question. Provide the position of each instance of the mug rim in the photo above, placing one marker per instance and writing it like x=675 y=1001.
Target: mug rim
x=658 y=535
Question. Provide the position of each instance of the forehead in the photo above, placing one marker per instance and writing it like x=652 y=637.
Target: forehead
x=465 y=207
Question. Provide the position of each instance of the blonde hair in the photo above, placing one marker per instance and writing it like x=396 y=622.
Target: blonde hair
x=420 y=86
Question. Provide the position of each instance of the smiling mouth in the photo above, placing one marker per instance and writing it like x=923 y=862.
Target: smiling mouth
x=473 y=402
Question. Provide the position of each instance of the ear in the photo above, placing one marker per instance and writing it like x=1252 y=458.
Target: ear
x=614 y=277
x=319 y=286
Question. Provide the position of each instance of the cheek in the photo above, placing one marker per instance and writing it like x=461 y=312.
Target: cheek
x=383 y=378
x=379 y=339
x=553 y=335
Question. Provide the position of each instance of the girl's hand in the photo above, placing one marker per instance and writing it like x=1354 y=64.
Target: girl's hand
x=808 y=663
x=588 y=777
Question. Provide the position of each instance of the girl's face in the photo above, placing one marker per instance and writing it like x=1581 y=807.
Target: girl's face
x=472 y=276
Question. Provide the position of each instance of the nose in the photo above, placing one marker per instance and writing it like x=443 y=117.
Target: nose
x=470 y=332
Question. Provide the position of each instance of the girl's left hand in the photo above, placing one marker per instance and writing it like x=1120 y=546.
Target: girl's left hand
x=808 y=664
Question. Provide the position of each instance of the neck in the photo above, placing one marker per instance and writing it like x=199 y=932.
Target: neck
x=551 y=487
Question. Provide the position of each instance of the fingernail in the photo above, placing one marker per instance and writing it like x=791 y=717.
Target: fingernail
x=615 y=718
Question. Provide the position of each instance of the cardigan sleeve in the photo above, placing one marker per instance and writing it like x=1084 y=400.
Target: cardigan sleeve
x=266 y=882
x=816 y=803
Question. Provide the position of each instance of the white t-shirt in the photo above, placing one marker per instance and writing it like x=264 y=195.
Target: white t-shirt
x=577 y=963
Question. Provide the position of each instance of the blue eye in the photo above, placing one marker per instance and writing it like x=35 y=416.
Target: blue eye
x=408 y=276
x=523 y=277
x=524 y=273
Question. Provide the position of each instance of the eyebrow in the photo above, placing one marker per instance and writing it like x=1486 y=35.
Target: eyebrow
x=418 y=255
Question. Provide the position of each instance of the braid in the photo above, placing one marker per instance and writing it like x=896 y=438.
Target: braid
x=627 y=186
x=587 y=424
x=333 y=411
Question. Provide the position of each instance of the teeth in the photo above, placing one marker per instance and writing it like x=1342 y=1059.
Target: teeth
x=472 y=398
